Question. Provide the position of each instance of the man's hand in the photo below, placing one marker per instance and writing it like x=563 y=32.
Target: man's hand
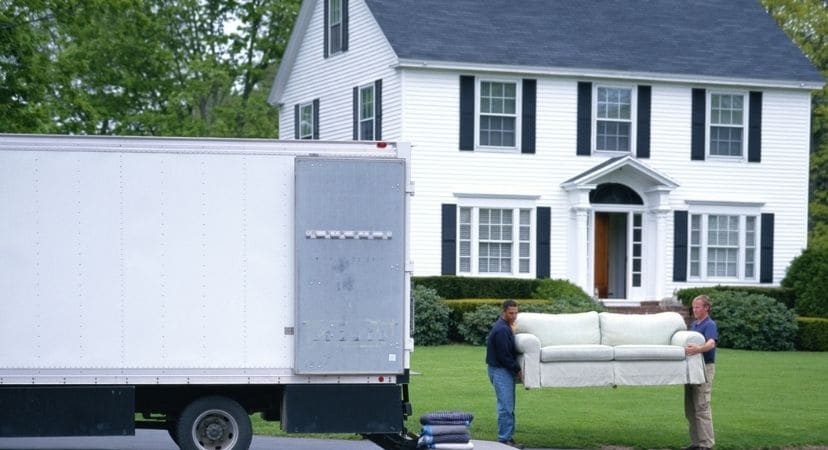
x=692 y=349
x=520 y=375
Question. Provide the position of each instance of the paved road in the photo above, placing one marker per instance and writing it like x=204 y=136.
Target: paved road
x=160 y=440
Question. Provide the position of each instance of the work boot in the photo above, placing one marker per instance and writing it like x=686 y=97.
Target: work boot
x=512 y=443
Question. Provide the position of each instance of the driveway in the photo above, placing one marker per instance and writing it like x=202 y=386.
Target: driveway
x=160 y=440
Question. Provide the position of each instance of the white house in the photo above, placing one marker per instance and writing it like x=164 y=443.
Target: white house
x=633 y=147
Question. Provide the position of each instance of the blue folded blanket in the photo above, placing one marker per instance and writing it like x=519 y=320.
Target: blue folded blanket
x=446 y=418
x=459 y=438
x=435 y=430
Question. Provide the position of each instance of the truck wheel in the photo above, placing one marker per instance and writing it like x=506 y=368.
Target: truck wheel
x=214 y=423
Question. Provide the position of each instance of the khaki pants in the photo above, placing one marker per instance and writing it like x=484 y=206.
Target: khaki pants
x=697 y=410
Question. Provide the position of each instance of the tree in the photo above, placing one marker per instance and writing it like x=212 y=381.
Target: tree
x=806 y=22
x=147 y=67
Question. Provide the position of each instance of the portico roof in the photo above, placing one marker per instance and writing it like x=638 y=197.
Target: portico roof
x=632 y=166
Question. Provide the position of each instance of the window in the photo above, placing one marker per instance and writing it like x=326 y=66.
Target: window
x=498 y=106
x=723 y=246
x=495 y=240
x=613 y=119
x=366 y=113
x=727 y=124
x=306 y=121
x=335 y=28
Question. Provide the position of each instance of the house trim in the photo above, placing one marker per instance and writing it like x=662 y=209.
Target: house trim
x=631 y=76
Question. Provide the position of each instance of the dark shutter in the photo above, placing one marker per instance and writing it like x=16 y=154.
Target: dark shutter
x=755 y=127
x=766 y=252
x=642 y=146
x=697 y=125
x=680 y=246
x=584 y=119
x=542 y=239
x=466 y=112
x=356 y=112
x=296 y=121
x=378 y=110
x=316 y=118
x=527 y=137
x=449 y=264
x=326 y=27
x=344 y=24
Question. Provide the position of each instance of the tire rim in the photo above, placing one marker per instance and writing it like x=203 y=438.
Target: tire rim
x=215 y=429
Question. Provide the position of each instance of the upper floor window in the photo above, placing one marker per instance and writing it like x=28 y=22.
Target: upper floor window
x=723 y=246
x=336 y=26
x=366 y=113
x=613 y=119
x=498 y=116
x=306 y=117
x=727 y=124
x=494 y=240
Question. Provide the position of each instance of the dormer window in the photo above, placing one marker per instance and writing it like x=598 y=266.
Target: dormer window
x=336 y=27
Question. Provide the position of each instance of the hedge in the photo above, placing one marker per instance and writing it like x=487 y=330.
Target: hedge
x=786 y=296
x=808 y=277
x=459 y=307
x=813 y=334
x=449 y=286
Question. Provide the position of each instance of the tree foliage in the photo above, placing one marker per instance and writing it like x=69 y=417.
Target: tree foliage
x=806 y=22
x=145 y=67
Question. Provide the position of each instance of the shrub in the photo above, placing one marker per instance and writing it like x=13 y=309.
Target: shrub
x=559 y=290
x=786 y=296
x=808 y=277
x=431 y=317
x=752 y=321
x=476 y=324
x=478 y=287
x=459 y=307
x=813 y=334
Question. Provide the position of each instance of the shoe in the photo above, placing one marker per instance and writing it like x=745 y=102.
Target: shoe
x=512 y=443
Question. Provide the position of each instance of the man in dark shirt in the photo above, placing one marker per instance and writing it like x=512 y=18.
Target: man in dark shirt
x=504 y=370
x=697 y=396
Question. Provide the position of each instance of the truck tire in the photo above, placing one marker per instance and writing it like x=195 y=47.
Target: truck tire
x=214 y=423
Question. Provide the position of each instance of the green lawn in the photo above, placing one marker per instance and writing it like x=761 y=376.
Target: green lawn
x=760 y=400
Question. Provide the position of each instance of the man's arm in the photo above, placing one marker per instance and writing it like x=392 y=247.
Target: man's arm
x=693 y=349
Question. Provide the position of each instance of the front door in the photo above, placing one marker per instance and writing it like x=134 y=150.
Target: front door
x=611 y=255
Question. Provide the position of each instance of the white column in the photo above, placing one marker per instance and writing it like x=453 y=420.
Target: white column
x=660 y=273
x=579 y=247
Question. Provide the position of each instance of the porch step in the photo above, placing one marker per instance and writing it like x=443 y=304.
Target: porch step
x=653 y=307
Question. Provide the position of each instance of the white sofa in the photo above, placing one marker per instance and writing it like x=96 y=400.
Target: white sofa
x=606 y=349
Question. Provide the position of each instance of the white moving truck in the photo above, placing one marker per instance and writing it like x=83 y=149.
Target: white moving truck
x=184 y=284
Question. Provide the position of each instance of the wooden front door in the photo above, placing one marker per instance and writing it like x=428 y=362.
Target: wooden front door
x=601 y=269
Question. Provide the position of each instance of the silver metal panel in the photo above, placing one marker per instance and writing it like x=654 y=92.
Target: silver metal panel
x=350 y=261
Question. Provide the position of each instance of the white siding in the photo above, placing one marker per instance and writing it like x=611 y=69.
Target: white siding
x=331 y=80
x=440 y=170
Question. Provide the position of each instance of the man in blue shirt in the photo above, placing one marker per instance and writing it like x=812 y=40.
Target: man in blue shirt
x=697 y=396
x=504 y=370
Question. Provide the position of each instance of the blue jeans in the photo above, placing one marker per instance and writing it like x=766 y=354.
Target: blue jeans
x=503 y=381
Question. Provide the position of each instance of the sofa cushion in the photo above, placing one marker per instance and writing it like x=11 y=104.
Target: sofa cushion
x=561 y=329
x=639 y=329
x=589 y=352
x=648 y=353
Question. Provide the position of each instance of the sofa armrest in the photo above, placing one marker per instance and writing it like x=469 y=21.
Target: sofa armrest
x=528 y=349
x=683 y=338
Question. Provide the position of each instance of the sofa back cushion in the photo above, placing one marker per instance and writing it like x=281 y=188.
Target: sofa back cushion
x=642 y=329
x=561 y=329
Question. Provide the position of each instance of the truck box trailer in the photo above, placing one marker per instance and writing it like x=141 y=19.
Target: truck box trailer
x=185 y=284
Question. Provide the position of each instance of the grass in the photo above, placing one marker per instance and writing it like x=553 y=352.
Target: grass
x=761 y=400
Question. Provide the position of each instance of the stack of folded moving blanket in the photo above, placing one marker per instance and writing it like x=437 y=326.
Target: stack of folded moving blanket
x=446 y=431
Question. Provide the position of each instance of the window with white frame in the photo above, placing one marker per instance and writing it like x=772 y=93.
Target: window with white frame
x=498 y=117
x=495 y=240
x=366 y=113
x=613 y=118
x=723 y=246
x=306 y=121
x=727 y=124
x=335 y=28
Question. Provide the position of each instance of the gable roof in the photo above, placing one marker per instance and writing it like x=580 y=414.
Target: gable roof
x=679 y=39
x=589 y=178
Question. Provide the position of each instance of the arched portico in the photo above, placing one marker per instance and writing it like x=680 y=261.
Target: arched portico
x=618 y=224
